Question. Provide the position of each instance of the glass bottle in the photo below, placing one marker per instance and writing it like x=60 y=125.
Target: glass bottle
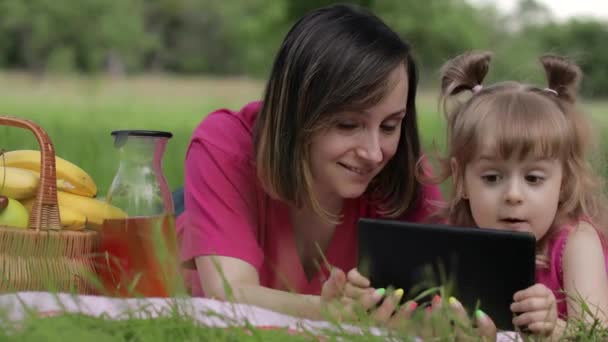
x=139 y=186
x=140 y=251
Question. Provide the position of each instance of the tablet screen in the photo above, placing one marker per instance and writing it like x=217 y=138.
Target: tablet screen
x=480 y=267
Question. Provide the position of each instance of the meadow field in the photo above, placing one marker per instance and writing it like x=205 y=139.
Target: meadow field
x=79 y=114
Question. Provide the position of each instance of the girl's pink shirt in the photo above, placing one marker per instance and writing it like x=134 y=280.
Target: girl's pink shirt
x=228 y=213
x=553 y=275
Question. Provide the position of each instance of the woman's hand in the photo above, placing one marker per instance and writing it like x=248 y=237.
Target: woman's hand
x=350 y=297
x=536 y=308
x=486 y=328
x=352 y=294
x=388 y=313
x=333 y=287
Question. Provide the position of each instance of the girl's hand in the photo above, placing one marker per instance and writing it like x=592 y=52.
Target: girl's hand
x=536 y=308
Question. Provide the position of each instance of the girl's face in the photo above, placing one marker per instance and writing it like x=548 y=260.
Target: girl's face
x=354 y=149
x=513 y=194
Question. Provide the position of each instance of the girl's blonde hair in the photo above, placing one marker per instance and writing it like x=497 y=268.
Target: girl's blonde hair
x=519 y=120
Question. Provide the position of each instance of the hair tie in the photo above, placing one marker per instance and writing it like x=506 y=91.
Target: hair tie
x=551 y=91
x=476 y=89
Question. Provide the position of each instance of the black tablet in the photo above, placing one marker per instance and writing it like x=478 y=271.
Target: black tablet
x=480 y=267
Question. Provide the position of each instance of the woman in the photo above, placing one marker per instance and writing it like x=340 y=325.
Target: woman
x=273 y=187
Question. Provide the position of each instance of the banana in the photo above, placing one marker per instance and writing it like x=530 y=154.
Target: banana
x=18 y=183
x=66 y=186
x=71 y=219
x=70 y=177
x=95 y=210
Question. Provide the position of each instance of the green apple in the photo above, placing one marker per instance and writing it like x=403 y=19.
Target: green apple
x=14 y=214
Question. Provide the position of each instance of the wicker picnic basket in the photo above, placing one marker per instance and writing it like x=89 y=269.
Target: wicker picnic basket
x=44 y=257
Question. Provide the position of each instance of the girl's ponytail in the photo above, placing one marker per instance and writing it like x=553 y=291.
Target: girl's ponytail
x=563 y=77
x=464 y=72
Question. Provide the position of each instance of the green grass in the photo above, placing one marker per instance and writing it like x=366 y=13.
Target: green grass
x=173 y=324
x=84 y=328
x=80 y=113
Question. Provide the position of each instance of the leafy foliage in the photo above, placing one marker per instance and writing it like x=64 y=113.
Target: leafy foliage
x=240 y=37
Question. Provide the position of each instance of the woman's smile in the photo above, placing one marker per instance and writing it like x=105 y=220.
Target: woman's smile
x=360 y=171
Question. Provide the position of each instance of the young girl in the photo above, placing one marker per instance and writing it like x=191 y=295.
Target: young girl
x=518 y=158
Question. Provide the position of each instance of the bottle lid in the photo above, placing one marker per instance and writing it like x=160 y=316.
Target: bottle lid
x=142 y=133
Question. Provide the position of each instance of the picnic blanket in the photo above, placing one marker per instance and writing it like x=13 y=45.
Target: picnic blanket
x=207 y=311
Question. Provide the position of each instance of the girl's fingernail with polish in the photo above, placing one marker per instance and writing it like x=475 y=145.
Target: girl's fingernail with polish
x=428 y=309
x=380 y=292
x=454 y=302
x=437 y=299
x=479 y=314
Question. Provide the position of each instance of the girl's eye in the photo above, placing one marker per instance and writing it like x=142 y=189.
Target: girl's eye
x=490 y=178
x=534 y=179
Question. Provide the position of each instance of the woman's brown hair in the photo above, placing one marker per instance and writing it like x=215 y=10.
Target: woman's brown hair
x=333 y=59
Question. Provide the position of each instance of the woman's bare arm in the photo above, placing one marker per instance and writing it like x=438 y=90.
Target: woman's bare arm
x=219 y=273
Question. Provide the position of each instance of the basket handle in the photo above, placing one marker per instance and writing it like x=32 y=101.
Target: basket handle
x=45 y=210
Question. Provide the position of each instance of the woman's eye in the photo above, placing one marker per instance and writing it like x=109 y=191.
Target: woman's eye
x=389 y=128
x=391 y=125
x=346 y=126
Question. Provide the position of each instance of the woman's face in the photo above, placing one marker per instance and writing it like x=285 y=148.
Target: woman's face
x=354 y=149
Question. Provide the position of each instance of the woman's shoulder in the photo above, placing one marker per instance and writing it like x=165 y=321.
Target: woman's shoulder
x=230 y=130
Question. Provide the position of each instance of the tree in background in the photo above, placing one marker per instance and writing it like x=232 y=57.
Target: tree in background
x=240 y=37
x=43 y=34
x=296 y=9
x=437 y=29
x=586 y=42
